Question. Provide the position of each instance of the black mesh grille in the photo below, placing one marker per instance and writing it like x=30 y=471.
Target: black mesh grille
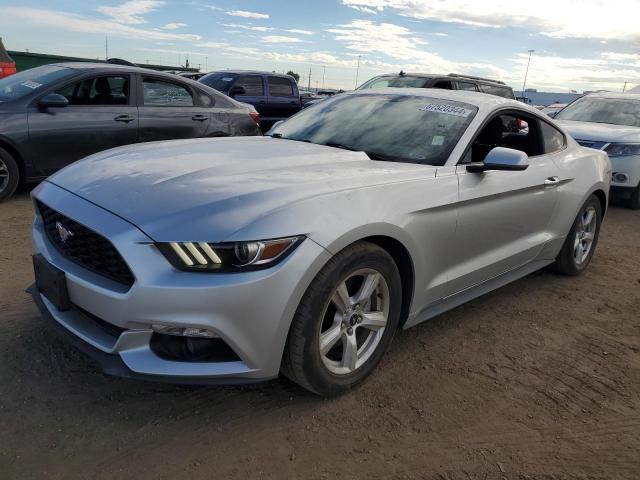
x=85 y=247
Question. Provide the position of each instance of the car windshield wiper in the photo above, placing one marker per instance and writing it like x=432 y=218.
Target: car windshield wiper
x=279 y=135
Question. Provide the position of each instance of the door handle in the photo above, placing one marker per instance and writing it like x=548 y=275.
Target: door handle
x=551 y=181
x=124 y=118
x=199 y=118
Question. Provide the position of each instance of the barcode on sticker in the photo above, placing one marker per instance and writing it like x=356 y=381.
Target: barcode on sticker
x=446 y=109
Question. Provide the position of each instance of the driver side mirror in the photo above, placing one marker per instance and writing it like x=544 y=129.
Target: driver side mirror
x=501 y=158
x=237 y=90
x=53 y=100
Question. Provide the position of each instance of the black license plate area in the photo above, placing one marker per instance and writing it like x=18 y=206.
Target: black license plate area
x=51 y=282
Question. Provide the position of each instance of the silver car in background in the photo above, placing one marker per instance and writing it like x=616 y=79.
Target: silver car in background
x=232 y=260
x=610 y=122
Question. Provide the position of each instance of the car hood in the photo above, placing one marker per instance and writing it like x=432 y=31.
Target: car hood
x=601 y=132
x=207 y=189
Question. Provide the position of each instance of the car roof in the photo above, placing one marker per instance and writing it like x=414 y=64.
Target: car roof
x=615 y=95
x=251 y=72
x=446 y=76
x=111 y=67
x=483 y=100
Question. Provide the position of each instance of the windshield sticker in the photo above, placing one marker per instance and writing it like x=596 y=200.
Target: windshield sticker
x=446 y=109
x=437 y=140
x=30 y=84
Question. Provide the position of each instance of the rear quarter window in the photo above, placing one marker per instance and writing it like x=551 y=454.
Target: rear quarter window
x=280 y=87
x=552 y=138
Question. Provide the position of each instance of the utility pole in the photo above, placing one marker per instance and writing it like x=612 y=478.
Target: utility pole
x=625 y=87
x=309 y=84
x=106 y=47
x=526 y=73
x=357 y=71
x=324 y=70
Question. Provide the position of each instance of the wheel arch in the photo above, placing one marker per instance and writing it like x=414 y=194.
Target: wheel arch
x=602 y=197
x=15 y=153
x=404 y=262
x=397 y=243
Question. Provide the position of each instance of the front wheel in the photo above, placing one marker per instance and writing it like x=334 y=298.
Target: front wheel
x=9 y=175
x=580 y=244
x=345 y=321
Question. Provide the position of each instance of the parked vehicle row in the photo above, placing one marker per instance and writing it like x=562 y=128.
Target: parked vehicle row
x=53 y=115
x=233 y=260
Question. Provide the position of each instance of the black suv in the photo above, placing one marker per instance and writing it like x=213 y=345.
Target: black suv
x=275 y=96
x=448 y=82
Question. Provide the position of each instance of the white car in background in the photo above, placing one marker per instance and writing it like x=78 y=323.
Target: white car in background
x=610 y=122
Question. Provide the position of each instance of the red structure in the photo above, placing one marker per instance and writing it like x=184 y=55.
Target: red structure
x=7 y=65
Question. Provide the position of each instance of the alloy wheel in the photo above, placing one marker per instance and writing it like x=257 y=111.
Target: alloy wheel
x=585 y=234
x=4 y=175
x=354 y=321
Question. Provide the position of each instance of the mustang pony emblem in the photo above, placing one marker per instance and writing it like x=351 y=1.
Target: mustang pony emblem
x=63 y=232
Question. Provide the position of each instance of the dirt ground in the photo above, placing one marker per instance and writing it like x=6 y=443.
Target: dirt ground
x=538 y=380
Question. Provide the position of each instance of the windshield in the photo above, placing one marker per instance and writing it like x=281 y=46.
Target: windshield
x=219 y=81
x=20 y=84
x=603 y=110
x=396 y=82
x=401 y=128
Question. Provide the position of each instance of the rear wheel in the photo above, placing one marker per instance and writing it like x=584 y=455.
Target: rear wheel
x=345 y=321
x=580 y=244
x=9 y=175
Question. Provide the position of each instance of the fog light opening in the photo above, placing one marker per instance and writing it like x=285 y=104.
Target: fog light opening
x=184 y=331
x=620 y=177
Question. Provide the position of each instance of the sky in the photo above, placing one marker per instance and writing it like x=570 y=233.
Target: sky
x=579 y=45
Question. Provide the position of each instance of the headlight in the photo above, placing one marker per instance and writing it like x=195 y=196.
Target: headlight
x=228 y=256
x=623 y=149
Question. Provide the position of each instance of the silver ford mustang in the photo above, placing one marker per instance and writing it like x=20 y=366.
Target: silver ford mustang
x=232 y=260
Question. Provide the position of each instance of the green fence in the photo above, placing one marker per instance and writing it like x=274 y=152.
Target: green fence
x=26 y=60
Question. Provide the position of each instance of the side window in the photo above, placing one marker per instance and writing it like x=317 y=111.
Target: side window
x=552 y=138
x=509 y=130
x=469 y=86
x=498 y=91
x=106 y=90
x=252 y=85
x=280 y=87
x=159 y=93
x=444 y=84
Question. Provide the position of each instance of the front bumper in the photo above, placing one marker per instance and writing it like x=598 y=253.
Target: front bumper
x=629 y=167
x=251 y=312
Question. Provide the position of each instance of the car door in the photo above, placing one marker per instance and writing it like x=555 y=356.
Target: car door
x=170 y=109
x=254 y=92
x=503 y=216
x=101 y=114
x=282 y=98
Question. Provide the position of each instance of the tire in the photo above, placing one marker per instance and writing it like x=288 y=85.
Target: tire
x=9 y=175
x=568 y=260
x=332 y=373
x=634 y=201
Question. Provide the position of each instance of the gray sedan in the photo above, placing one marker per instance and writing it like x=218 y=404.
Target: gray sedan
x=53 y=115
x=233 y=260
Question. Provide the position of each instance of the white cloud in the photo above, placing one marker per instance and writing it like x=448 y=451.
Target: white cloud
x=79 y=23
x=280 y=39
x=130 y=12
x=584 y=19
x=248 y=27
x=299 y=32
x=174 y=26
x=245 y=14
